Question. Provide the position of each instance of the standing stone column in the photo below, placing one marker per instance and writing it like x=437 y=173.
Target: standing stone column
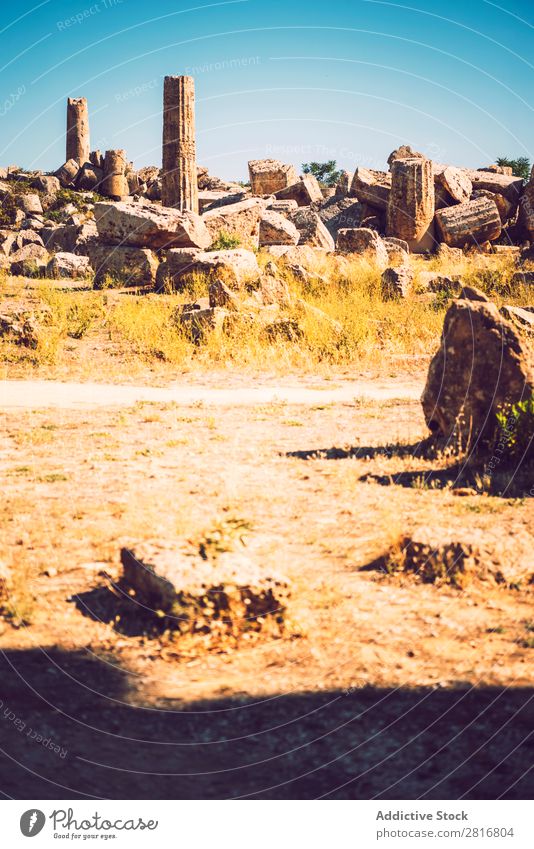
x=411 y=204
x=115 y=184
x=77 y=130
x=179 y=173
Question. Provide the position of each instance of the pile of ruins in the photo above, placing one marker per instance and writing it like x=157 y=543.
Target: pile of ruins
x=152 y=226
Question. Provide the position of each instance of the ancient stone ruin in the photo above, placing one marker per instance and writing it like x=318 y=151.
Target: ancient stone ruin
x=179 y=172
x=77 y=147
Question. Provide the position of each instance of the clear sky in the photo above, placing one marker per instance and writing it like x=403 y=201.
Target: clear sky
x=294 y=79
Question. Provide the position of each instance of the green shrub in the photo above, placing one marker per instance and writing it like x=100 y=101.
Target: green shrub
x=225 y=241
x=516 y=429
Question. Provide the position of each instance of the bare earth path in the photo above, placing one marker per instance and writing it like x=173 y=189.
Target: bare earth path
x=394 y=688
x=31 y=394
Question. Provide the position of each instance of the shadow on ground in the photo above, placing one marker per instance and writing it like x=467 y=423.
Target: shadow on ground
x=429 y=743
x=503 y=481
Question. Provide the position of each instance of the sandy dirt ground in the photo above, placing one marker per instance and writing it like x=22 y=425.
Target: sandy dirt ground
x=389 y=687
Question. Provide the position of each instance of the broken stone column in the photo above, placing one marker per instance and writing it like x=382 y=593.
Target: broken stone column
x=179 y=173
x=471 y=223
x=115 y=184
x=411 y=203
x=77 y=130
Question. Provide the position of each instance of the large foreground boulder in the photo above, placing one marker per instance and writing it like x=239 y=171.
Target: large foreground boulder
x=149 y=226
x=481 y=365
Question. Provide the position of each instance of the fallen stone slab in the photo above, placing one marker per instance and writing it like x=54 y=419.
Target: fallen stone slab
x=311 y=229
x=237 y=219
x=275 y=229
x=227 y=595
x=523 y=318
x=456 y=182
x=371 y=187
x=67 y=173
x=363 y=241
x=198 y=323
x=305 y=191
x=125 y=266
x=236 y=267
x=268 y=176
x=147 y=225
x=68 y=266
x=29 y=261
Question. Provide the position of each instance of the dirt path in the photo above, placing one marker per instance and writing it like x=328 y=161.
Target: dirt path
x=37 y=394
x=396 y=688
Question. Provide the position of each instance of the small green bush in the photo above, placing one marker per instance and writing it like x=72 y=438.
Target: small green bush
x=225 y=241
x=516 y=428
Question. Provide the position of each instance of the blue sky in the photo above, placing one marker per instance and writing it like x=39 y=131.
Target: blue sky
x=293 y=80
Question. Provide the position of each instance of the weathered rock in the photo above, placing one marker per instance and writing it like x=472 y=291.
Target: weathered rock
x=304 y=255
x=364 y=241
x=403 y=152
x=213 y=595
x=457 y=183
x=46 y=183
x=340 y=212
x=410 y=210
x=77 y=139
x=305 y=191
x=67 y=173
x=96 y=158
x=237 y=219
x=506 y=210
x=433 y=281
x=179 y=186
x=397 y=250
x=197 y=323
x=311 y=228
x=149 y=226
x=481 y=364
x=526 y=211
x=473 y=222
x=153 y=191
x=221 y=296
x=282 y=205
x=273 y=290
x=126 y=266
x=447 y=254
x=69 y=266
x=114 y=183
x=396 y=282
x=268 y=176
x=86 y=235
x=523 y=318
x=215 y=199
x=10 y=241
x=522 y=278
x=29 y=203
x=277 y=230
x=89 y=177
x=510 y=187
x=343 y=184
x=236 y=267
x=21 y=327
x=29 y=261
x=371 y=187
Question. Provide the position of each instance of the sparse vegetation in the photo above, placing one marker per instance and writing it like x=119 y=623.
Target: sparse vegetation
x=520 y=166
x=326 y=172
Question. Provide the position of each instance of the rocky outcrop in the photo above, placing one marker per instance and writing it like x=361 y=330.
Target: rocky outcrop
x=363 y=241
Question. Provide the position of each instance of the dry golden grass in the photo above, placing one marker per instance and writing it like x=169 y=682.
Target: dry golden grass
x=349 y=323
